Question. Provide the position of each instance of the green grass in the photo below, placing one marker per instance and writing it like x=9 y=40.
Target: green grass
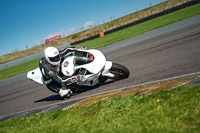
x=116 y=36
x=9 y=72
x=177 y=111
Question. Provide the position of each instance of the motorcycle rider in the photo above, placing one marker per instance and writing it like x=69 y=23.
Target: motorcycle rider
x=50 y=68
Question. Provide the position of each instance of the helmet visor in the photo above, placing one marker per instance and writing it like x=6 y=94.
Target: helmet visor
x=55 y=59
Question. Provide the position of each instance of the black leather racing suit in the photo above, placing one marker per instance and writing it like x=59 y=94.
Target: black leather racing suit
x=53 y=72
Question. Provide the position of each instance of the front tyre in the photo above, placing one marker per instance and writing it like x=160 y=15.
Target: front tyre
x=120 y=71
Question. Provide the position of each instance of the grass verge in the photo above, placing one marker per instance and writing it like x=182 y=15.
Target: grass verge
x=175 y=111
x=9 y=72
x=116 y=36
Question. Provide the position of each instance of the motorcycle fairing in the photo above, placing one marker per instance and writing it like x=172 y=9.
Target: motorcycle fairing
x=67 y=67
x=36 y=75
x=97 y=64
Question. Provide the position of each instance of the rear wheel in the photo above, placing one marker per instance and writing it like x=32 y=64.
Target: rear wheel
x=120 y=71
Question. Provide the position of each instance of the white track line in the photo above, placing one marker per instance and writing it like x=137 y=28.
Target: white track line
x=142 y=84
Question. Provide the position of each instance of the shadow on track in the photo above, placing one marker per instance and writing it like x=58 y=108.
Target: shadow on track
x=57 y=97
x=50 y=98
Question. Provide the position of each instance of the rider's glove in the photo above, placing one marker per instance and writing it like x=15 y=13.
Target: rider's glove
x=81 y=78
x=74 y=79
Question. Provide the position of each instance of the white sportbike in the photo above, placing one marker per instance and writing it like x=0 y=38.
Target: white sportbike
x=95 y=72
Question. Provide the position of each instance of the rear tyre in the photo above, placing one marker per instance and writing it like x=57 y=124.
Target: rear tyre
x=120 y=71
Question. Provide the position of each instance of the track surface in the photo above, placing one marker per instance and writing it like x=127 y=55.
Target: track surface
x=157 y=55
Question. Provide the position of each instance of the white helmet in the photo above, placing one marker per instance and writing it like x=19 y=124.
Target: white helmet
x=52 y=56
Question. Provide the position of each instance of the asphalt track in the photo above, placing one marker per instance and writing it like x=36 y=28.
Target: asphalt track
x=163 y=53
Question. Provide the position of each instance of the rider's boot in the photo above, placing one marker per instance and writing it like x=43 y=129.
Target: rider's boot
x=64 y=92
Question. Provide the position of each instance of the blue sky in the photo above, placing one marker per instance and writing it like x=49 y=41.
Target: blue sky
x=29 y=22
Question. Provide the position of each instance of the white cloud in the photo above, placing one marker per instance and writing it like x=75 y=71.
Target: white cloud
x=89 y=25
x=64 y=33
x=38 y=43
x=72 y=30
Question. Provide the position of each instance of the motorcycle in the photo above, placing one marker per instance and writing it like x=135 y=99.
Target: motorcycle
x=90 y=63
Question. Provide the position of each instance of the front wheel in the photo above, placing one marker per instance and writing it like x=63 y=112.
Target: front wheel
x=120 y=71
